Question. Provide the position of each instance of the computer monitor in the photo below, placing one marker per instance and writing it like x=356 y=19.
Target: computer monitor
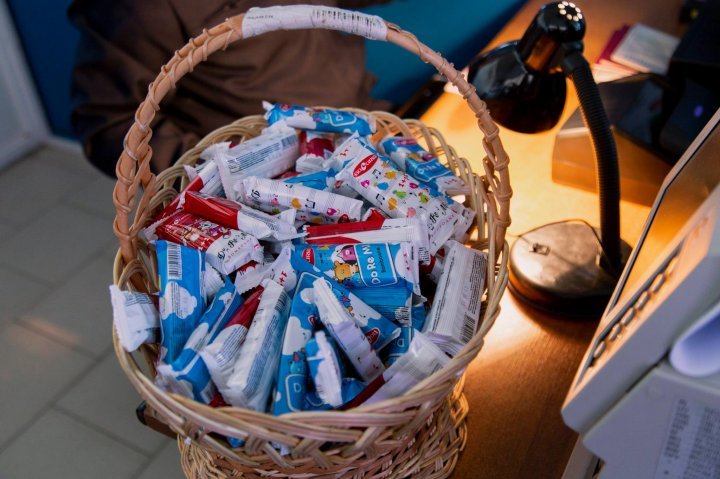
x=672 y=276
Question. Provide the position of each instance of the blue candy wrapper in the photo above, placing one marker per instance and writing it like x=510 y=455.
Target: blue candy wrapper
x=188 y=375
x=290 y=268
x=326 y=368
x=319 y=180
x=319 y=119
x=292 y=376
x=350 y=388
x=182 y=295
x=410 y=157
x=382 y=275
x=345 y=331
x=400 y=345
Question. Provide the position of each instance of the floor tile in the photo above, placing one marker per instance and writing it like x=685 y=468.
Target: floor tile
x=58 y=446
x=95 y=197
x=57 y=244
x=106 y=398
x=29 y=187
x=68 y=159
x=78 y=312
x=6 y=230
x=165 y=465
x=18 y=293
x=33 y=370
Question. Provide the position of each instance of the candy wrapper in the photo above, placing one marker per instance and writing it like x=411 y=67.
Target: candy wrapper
x=292 y=377
x=226 y=249
x=187 y=375
x=318 y=180
x=213 y=281
x=346 y=332
x=350 y=389
x=400 y=345
x=255 y=370
x=374 y=230
x=295 y=274
x=396 y=193
x=366 y=265
x=182 y=299
x=319 y=119
x=326 y=369
x=422 y=165
x=422 y=359
x=267 y=156
x=135 y=317
x=315 y=149
x=232 y=214
x=314 y=206
x=221 y=353
x=382 y=275
x=455 y=311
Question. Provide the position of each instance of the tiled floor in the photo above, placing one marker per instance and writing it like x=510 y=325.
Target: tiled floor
x=66 y=409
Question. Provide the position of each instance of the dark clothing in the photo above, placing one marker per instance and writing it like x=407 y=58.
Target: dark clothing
x=125 y=42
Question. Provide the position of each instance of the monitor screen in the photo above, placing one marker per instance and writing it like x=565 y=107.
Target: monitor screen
x=678 y=201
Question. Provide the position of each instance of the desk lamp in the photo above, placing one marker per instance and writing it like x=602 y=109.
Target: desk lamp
x=564 y=268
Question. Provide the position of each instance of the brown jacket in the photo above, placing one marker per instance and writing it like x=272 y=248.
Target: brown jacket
x=125 y=42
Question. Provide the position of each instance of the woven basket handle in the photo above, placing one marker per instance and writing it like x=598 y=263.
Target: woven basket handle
x=133 y=167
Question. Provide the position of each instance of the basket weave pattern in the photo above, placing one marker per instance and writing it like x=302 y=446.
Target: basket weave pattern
x=419 y=434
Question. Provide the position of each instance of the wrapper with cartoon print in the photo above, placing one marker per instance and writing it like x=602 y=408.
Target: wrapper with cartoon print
x=292 y=272
x=396 y=193
x=227 y=249
x=413 y=159
x=188 y=375
x=346 y=333
x=182 y=296
x=319 y=119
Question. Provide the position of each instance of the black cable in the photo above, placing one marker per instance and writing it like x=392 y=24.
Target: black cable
x=605 y=152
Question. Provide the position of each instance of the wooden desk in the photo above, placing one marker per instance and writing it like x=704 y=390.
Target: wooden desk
x=518 y=383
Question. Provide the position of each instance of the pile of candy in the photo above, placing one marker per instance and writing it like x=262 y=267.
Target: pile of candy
x=308 y=269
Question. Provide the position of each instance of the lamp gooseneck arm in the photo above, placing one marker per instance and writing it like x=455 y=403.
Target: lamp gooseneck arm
x=605 y=152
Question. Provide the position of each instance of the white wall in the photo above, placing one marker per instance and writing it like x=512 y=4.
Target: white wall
x=22 y=121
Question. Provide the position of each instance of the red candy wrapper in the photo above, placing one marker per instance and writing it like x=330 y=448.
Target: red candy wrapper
x=315 y=149
x=226 y=249
x=237 y=216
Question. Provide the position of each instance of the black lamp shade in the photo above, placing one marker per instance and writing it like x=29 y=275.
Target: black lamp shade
x=518 y=97
x=523 y=82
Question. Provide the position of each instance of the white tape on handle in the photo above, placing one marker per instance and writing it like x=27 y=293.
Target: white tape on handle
x=259 y=20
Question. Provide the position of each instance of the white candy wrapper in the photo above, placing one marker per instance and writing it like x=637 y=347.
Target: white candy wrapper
x=135 y=317
x=313 y=206
x=221 y=354
x=453 y=317
x=396 y=230
x=212 y=282
x=255 y=370
x=325 y=369
x=422 y=359
x=346 y=332
x=396 y=193
x=268 y=155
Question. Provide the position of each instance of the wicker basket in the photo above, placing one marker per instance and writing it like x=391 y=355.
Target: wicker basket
x=419 y=434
